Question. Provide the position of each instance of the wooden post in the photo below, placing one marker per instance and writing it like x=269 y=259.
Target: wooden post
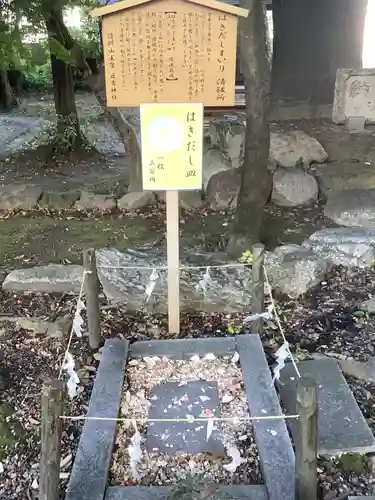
x=173 y=244
x=51 y=426
x=306 y=441
x=92 y=290
x=257 y=299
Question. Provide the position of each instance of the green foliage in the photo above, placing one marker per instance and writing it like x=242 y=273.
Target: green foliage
x=39 y=78
x=88 y=37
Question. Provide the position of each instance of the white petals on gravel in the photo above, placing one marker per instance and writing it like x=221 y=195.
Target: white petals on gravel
x=240 y=465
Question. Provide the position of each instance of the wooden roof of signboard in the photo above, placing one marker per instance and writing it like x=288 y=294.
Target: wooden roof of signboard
x=209 y=4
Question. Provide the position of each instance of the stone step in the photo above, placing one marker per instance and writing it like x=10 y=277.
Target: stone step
x=235 y=492
x=341 y=425
x=361 y=498
x=344 y=176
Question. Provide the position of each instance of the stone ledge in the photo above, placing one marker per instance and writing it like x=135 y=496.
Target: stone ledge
x=235 y=492
x=88 y=479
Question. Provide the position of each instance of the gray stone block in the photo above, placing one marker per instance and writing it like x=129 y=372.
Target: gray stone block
x=172 y=400
x=183 y=348
x=272 y=438
x=237 y=492
x=341 y=425
x=54 y=278
x=357 y=125
x=88 y=479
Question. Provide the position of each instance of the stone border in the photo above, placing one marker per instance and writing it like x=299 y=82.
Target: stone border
x=338 y=109
x=89 y=476
x=236 y=492
x=88 y=480
x=275 y=451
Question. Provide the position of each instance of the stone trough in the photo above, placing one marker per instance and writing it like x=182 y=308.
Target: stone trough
x=341 y=426
x=89 y=477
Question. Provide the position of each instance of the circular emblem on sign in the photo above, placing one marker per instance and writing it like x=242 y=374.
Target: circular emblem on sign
x=165 y=134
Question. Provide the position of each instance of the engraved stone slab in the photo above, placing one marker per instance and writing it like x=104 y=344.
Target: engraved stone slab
x=172 y=400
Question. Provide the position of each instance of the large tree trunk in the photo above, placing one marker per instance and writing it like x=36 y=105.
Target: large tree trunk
x=312 y=39
x=256 y=183
x=69 y=135
x=7 y=98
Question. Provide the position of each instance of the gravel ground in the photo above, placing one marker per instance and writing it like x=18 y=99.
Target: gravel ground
x=156 y=468
x=326 y=321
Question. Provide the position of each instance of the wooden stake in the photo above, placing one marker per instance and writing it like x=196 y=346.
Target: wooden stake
x=51 y=427
x=257 y=300
x=173 y=244
x=306 y=442
x=92 y=290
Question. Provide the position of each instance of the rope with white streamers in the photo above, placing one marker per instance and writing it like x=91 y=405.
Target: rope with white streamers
x=68 y=363
x=284 y=352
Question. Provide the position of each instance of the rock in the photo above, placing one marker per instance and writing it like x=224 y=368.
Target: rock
x=19 y=196
x=214 y=161
x=58 y=200
x=229 y=289
x=369 y=305
x=228 y=135
x=294 y=270
x=136 y=200
x=222 y=189
x=52 y=278
x=55 y=329
x=293 y=187
x=347 y=247
x=92 y=201
x=289 y=149
x=344 y=176
x=189 y=200
x=338 y=235
x=354 y=208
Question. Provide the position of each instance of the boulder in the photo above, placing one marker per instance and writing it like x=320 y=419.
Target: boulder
x=92 y=201
x=228 y=289
x=292 y=148
x=293 y=187
x=52 y=278
x=189 y=200
x=19 y=196
x=136 y=200
x=344 y=246
x=354 y=208
x=344 y=176
x=51 y=329
x=59 y=200
x=293 y=270
x=222 y=189
x=214 y=161
x=228 y=135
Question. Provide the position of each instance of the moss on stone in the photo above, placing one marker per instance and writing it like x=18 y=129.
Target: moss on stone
x=58 y=200
x=353 y=462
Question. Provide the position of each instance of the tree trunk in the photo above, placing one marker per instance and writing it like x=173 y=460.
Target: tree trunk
x=69 y=135
x=7 y=98
x=312 y=39
x=256 y=182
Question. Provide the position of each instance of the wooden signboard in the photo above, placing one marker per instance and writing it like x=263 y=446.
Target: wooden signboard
x=172 y=146
x=171 y=58
x=170 y=51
